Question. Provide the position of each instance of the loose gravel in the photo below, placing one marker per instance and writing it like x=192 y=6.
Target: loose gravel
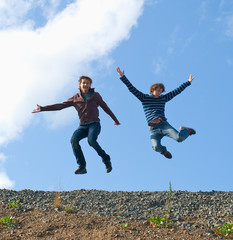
x=212 y=208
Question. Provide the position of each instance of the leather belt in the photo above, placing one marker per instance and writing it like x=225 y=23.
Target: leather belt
x=155 y=121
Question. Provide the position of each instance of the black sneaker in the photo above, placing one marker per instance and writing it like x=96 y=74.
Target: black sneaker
x=81 y=170
x=168 y=155
x=108 y=167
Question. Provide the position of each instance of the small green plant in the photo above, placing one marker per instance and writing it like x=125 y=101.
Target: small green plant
x=57 y=201
x=14 y=204
x=164 y=220
x=69 y=209
x=225 y=230
x=9 y=221
x=160 y=221
x=170 y=190
x=124 y=225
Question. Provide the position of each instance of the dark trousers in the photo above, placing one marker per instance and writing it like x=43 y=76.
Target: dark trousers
x=91 y=131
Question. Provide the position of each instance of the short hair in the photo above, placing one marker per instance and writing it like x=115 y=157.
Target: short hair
x=155 y=86
x=84 y=77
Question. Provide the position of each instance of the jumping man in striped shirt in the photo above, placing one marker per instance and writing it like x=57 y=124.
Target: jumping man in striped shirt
x=153 y=106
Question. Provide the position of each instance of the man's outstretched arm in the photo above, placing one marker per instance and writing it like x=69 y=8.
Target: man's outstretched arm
x=181 y=88
x=54 y=107
x=131 y=88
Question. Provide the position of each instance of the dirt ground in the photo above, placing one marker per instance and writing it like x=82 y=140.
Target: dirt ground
x=54 y=224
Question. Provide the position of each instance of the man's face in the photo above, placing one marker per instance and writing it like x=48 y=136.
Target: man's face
x=85 y=85
x=157 y=92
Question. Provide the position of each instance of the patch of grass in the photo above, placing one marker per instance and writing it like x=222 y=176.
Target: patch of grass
x=69 y=209
x=160 y=221
x=9 y=221
x=57 y=201
x=14 y=204
x=124 y=225
x=163 y=221
x=226 y=230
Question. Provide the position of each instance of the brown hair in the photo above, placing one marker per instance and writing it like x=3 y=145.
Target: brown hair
x=155 y=86
x=84 y=77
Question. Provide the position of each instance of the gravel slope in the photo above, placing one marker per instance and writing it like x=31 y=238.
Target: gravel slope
x=214 y=207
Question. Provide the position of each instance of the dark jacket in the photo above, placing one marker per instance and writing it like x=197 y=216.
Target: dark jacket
x=87 y=111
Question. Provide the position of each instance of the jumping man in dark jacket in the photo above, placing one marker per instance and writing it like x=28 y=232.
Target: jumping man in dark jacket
x=86 y=102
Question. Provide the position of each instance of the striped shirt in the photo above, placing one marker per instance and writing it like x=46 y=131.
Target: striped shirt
x=154 y=107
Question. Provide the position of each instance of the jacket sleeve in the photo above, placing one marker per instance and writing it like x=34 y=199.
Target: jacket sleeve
x=177 y=91
x=58 y=106
x=105 y=107
x=132 y=89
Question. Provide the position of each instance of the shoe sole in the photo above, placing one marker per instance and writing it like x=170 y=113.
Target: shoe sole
x=82 y=172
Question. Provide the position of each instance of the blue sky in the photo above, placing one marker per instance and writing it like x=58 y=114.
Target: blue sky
x=46 y=45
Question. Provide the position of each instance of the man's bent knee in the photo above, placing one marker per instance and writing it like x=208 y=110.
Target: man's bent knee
x=72 y=140
x=91 y=142
x=179 y=139
x=157 y=149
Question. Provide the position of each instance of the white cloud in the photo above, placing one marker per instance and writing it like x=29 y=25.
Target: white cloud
x=229 y=26
x=152 y=2
x=5 y=182
x=229 y=62
x=12 y=12
x=170 y=50
x=203 y=11
x=2 y=159
x=39 y=65
x=159 y=66
x=49 y=8
x=21 y=13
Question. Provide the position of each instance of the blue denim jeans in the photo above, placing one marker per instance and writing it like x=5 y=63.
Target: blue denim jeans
x=91 y=131
x=158 y=131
